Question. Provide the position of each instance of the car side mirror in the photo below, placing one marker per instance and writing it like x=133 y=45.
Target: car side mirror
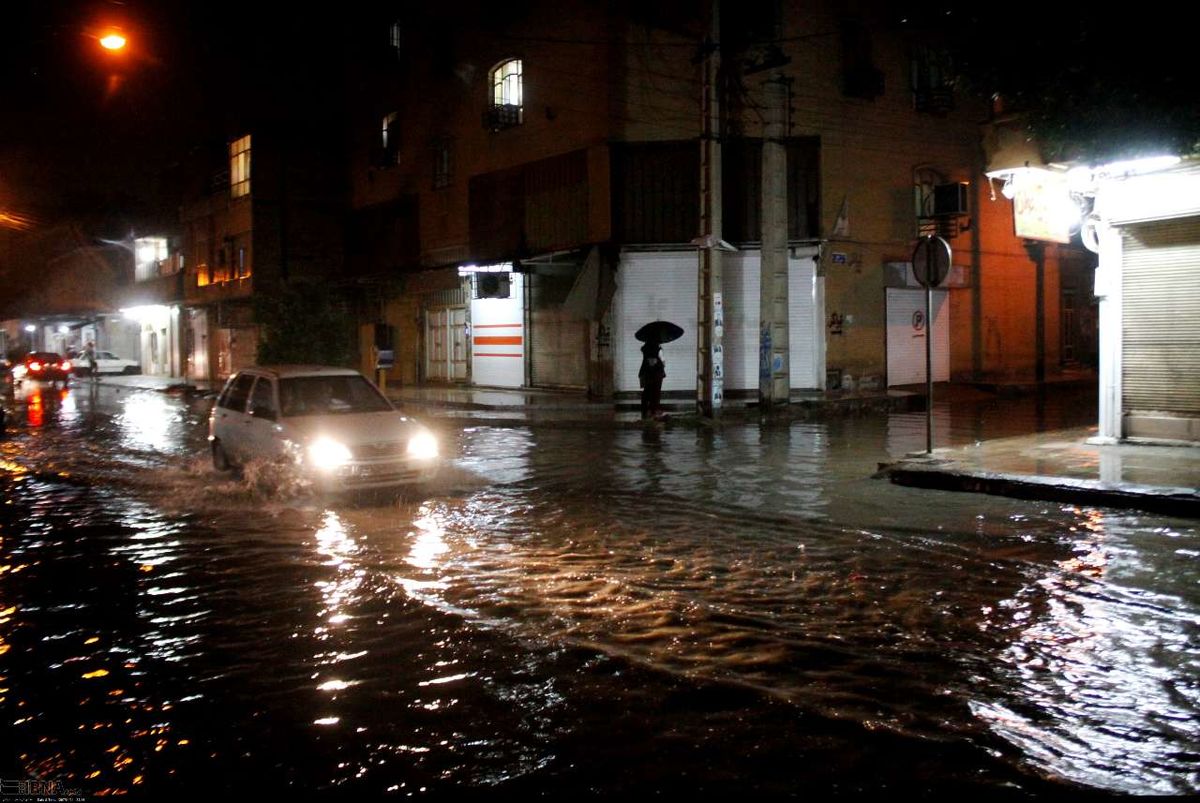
x=264 y=412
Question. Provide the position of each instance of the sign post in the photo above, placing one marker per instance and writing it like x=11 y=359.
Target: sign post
x=931 y=265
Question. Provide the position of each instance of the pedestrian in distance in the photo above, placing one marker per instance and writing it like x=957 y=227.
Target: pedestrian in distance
x=89 y=356
x=651 y=376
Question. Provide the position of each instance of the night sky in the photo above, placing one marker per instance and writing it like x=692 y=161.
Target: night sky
x=111 y=138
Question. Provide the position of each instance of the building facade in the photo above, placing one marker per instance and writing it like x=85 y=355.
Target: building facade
x=273 y=214
x=527 y=191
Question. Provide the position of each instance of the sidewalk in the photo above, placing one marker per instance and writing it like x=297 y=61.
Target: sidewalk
x=532 y=407
x=1063 y=466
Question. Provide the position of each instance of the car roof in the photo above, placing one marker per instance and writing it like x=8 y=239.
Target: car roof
x=290 y=371
x=43 y=355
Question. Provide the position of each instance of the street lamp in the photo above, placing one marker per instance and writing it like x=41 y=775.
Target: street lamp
x=112 y=41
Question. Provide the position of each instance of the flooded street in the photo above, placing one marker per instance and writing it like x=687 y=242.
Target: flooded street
x=582 y=611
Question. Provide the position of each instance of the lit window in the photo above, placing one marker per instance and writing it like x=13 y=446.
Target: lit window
x=239 y=167
x=505 y=100
x=390 y=139
x=241 y=265
x=395 y=37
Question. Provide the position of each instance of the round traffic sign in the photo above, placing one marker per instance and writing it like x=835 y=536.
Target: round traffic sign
x=931 y=261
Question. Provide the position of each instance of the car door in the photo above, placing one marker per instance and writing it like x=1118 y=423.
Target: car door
x=230 y=419
x=262 y=420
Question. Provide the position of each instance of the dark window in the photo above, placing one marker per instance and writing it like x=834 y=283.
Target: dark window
x=860 y=77
x=932 y=80
x=236 y=393
x=742 y=181
x=656 y=190
x=262 y=402
x=329 y=395
x=443 y=162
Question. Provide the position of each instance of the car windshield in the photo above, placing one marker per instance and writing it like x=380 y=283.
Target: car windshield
x=43 y=356
x=329 y=395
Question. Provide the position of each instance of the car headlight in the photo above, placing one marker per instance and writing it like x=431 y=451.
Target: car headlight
x=423 y=446
x=327 y=454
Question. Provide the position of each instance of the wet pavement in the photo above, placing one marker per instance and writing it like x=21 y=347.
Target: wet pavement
x=1067 y=466
x=588 y=610
x=1063 y=465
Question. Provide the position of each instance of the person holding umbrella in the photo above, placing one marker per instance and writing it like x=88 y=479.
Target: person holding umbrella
x=651 y=376
x=653 y=371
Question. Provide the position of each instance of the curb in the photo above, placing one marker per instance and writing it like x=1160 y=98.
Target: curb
x=947 y=476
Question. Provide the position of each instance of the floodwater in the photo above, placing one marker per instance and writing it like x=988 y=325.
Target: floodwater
x=589 y=612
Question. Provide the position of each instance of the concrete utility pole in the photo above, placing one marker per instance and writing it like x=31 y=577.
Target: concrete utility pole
x=710 y=317
x=774 y=379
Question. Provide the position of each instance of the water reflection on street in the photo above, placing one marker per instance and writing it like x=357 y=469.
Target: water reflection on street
x=583 y=610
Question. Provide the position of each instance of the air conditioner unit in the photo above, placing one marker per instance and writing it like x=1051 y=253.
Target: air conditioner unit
x=491 y=285
x=950 y=200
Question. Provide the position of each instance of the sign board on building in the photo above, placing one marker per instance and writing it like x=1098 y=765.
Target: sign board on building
x=1042 y=206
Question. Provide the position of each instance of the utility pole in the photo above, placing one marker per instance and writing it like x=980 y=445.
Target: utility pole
x=774 y=380
x=710 y=316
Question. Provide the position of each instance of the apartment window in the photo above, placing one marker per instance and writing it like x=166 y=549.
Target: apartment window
x=505 y=101
x=239 y=167
x=389 y=139
x=396 y=37
x=239 y=258
x=221 y=272
x=932 y=80
x=149 y=254
x=443 y=162
x=860 y=77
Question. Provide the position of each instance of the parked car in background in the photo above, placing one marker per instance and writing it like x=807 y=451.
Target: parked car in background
x=43 y=366
x=332 y=423
x=107 y=363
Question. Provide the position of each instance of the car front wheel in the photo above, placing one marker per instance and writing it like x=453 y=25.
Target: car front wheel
x=219 y=458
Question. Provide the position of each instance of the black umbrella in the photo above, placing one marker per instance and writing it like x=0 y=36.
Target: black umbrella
x=659 y=332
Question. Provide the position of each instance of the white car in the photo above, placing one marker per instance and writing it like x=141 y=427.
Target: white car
x=108 y=363
x=332 y=423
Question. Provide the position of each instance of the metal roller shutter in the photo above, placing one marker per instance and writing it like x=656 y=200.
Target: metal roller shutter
x=1161 y=326
x=653 y=287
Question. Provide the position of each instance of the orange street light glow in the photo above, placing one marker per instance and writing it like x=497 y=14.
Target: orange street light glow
x=113 y=41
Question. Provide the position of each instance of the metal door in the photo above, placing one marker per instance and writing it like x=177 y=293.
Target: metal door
x=446 y=344
x=906 y=330
x=459 y=339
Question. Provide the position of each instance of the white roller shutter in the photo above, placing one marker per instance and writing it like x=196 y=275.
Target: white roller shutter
x=1160 y=319
x=655 y=287
x=662 y=286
